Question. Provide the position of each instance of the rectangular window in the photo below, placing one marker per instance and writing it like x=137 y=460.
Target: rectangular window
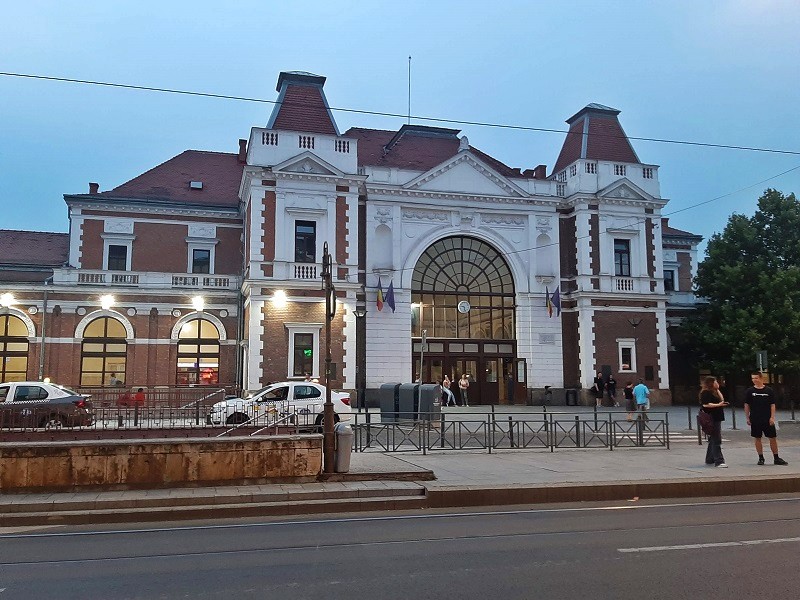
x=305 y=241
x=647 y=172
x=573 y=170
x=619 y=170
x=562 y=177
x=201 y=261
x=591 y=167
x=669 y=281
x=627 y=355
x=117 y=258
x=303 y=354
x=622 y=258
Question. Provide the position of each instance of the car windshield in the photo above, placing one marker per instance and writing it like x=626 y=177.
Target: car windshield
x=272 y=392
x=64 y=388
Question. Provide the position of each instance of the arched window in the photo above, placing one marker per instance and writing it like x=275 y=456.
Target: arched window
x=198 y=353
x=13 y=349
x=104 y=353
x=457 y=269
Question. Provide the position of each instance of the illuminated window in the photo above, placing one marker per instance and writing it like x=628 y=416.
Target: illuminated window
x=13 y=349
x=198 y=353
x=104 y=353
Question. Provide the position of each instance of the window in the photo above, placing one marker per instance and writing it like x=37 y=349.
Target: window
x=104 y=353
x=573 y=170
x=647 y=172
x=669 y=281
x=303 y=354
x=305 y=241
x=627 y=355
x=29 y=392
x=198 y=353
x=4 y=393
x=304 y=392
x=622 y=258
x=117 y=258
x=560 y=189
x=562 y=177
x=591 y=167
x=619 y=170
x=13 y=349
x=201 y=261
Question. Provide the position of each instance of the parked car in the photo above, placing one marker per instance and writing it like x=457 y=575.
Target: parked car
x=43 y=404
x=302 y=399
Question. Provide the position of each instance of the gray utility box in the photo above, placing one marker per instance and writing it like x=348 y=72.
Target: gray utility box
x=389 y=396
x=409 y=401
x=430 y=401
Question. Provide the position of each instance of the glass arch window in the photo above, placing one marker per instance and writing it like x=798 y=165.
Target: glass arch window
x=104 y=352
x=198 y=353
x=456 y=269
x=13 y=349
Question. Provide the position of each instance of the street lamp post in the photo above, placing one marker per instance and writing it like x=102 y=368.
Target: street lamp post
x=328 y=441
x=360 y=314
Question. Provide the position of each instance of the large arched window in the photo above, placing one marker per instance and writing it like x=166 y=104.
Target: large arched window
x=198 y=353
x=13 y=349
x=104 y=353
x=458 y=269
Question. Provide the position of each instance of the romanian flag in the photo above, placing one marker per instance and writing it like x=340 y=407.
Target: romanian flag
x=555 y=301
x=548 y=302
x=380 y=295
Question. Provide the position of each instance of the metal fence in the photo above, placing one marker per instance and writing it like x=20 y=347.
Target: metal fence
x=508 y=430
x=153 y=397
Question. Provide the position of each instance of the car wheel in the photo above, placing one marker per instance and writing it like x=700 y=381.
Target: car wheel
x=236 y=419
x=54 y=422
x=319 y=423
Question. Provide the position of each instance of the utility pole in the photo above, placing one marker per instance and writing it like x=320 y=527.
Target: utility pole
x=328 y=442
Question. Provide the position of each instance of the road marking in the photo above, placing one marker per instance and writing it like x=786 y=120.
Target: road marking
x=709 y=545
x=9 y=530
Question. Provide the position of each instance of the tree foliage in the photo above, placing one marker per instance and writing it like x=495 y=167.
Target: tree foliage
x=751 y=281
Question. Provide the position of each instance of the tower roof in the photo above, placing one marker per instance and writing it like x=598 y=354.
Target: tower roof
x=302 y=105
x=595 y=133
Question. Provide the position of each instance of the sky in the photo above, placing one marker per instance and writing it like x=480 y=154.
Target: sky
x=722 y=72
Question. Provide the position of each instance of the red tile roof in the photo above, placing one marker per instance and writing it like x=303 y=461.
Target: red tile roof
x=303 y=108
x=219 y=172
x=667 y=231
x=33 y=248
x=415 y=150
x=605 y=138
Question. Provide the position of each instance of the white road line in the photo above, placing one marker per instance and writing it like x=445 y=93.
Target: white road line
x=709 y=545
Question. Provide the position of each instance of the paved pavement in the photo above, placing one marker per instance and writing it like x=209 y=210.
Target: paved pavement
x=380 y=481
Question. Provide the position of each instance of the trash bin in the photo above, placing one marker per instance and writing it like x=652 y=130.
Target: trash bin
x=409 y=402
x=572 y=397
x=343 y=434
x=430 y=401
x=389 y=396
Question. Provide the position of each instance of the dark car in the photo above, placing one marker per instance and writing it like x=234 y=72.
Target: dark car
x=42 y=404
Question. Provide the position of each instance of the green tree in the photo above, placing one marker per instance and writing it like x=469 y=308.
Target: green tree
x=750 y=279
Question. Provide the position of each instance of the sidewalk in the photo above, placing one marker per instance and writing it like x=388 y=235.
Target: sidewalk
x=463 y=478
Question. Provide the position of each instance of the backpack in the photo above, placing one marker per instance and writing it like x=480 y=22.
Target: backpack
x=705 y=422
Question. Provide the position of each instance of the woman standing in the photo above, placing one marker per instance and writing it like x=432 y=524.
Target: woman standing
x=463 y=385
x=599 y=388
x=713 y=403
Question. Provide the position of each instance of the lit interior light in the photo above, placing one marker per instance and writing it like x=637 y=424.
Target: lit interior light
x=7 y=300
x=199 y=303
x=279 y=298
x=106 y=301
x=47 y=380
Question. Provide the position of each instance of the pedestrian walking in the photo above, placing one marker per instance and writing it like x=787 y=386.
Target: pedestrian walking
x=611 y=388
x=712 y=402
x=759 y=409
x=598 y=388
x=450 y=397
x=642 y=395
x=630 y=403
x=463 y=386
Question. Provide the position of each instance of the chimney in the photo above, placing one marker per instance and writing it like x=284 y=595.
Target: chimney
x=540 y=172
x=94 y=188
x=242 y=151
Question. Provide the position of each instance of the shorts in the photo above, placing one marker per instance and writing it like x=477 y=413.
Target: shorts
x=759 y=428
x=630 y=404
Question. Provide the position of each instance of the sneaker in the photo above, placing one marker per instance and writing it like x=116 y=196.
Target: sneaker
x=780 y=461
x=761 y=461
x=722 y=466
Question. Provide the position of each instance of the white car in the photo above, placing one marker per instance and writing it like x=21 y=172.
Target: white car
x=302 y=401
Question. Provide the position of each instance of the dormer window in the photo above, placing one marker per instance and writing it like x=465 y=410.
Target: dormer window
x=562 y=177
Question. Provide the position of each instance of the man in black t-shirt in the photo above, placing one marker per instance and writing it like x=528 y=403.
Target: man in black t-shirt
x=759 y=408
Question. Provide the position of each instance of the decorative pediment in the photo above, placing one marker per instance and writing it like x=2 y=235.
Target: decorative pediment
x=625 y=189
x=466 y=174
x=307 y=163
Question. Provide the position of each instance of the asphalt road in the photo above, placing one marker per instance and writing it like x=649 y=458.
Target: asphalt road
x=715 y=549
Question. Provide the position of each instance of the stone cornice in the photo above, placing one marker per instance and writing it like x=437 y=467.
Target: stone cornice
x=153 y=207
x=428 y=195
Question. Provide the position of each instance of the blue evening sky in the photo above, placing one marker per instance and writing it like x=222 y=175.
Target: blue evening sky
x=723 y=72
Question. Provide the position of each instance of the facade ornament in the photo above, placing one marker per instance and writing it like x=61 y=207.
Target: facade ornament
x=543 y=225
x=426 y=215
x=118 y=226
x=463 y=144
x=508 y=220
x=383 y=214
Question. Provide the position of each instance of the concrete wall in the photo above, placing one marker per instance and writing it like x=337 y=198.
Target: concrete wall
x=130 y=464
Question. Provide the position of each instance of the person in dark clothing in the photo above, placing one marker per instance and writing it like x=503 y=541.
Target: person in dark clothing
x=630 y=403
x=598 y=388
x=759 y=409
x=611 y=388
x=713 y=403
